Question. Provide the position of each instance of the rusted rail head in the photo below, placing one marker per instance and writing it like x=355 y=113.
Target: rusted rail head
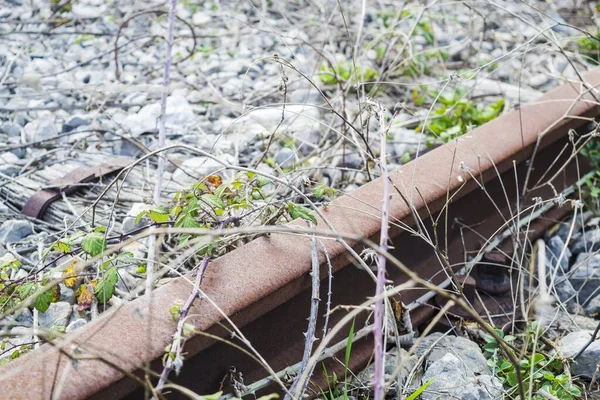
x=262 y=285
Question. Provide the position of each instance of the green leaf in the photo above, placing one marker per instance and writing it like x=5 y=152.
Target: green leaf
x=349 y=346
x=319 y=192
x=420 y=390
x=511 y=378
x=262 y=181
x=159 y=217
x=61 y=246
x=214 y=396
x=297 y=211
x=269 y=396
x=99 y=228
x=141 y=215
x=213 y=201
x=94 y=243
x=26 y=290
x=188 y=330
x=42 y=300
x=106 y=285
x=491 y=347
x=187 y=221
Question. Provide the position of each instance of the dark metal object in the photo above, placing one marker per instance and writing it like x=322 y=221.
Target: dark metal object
x=39 y=202
x=491 y=274
x=263 y=285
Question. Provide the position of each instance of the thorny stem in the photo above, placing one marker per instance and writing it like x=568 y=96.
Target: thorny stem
x=178 y=338
x=378 y=380
x=312 y=319
x=162 y=133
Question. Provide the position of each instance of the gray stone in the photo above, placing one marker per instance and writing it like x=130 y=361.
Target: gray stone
x=592 y=308
x=11 y=129
x=19 y=335
x=405 y=140
x=179 y=117
x=8 y=163
x=285 y=157
x=554 y=247
x=585 y=276
x=588 y=242
x=55 y=316
x=537 y=81
x=393 y=360
x=81 y=11
x=307 y=140
x=126 y=282
x=14 y=230
x=351 y=160
x=39 y=129
x=453 y=380
x=437 y=346
x=199 y=167
x=66 y=294
x=25 y=317
x=129 y=223
x=78 y=323
x=126 y=148
x=565 y=226
x=565 y=291
x=201 y=18
x=74 y=122
x=586 y=363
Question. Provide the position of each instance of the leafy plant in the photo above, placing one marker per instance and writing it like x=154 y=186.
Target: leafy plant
x=454 y=116
x=543 y=373
x=589 y=47
x=342 y=73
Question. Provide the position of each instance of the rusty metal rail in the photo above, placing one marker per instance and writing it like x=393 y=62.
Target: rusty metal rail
x=264 y=285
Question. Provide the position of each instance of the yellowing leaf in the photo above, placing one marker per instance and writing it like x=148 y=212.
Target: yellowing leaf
x=70 y=275
x=85 y=296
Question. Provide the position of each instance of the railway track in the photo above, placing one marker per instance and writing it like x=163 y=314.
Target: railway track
x=463 y=192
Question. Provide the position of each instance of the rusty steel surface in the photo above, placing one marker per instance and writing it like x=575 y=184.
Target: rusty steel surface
x=262 y=285
x=39 y=202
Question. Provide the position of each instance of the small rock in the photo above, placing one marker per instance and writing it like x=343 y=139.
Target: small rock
x=74 y=122
x=592 y=308
x=25 y=317
x=285 y=157
x=555 y=246
x=585 y=276
x=199 y=167
x=39 y=129
x=14 y=230
x=129 y=223
x=393 y=360
x=66 y=294
x=8 y=163
x=307 y=141
x=126 y=282
x=565 y=291
x=179 y=117
x=81 y=11
x=200 y=18
x=56 y=315
x=453 y=380
x=538 y=80
x=78 y=323
x=586 y=363
x=437 y=346
x=11 y=129
x=588 y=242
